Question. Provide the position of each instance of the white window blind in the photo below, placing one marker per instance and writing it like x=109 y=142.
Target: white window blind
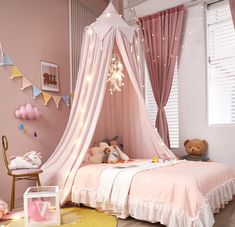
x=172 y=107
x=221 y=64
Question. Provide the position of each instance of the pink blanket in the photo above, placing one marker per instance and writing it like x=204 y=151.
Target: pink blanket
x=185 y=194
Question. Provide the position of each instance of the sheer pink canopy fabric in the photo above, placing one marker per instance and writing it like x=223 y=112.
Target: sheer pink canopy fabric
x=90 y=101
x=162 y=32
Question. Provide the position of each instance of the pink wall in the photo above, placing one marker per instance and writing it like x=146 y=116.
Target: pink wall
x=30 y=31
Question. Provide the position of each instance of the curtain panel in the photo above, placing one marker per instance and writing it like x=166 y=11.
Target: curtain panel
x=162 y=34
x=232 y=7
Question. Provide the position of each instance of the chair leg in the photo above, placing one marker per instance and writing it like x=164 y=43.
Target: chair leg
x=38 y=180
x=12 y=194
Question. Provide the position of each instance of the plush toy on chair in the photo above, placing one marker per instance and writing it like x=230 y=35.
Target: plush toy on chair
x=31 y=160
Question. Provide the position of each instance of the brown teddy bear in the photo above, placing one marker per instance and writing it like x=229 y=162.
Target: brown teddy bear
x=196 y=147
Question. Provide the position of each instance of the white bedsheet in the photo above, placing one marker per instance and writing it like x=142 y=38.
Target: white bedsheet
x=115 y=182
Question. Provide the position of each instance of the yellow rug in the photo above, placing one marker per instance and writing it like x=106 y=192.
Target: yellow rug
x=79 y=217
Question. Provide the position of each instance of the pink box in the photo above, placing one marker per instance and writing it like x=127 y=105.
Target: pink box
x=42 y=206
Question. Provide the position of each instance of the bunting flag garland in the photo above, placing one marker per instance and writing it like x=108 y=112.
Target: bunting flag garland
x=56 y=100
x=36 y=92
x=25 y=83
x=66 y=99
x=15 y=72
x=46 y=98
x=5 y=59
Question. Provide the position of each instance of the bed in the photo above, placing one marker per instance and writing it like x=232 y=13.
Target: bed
x=182 y=194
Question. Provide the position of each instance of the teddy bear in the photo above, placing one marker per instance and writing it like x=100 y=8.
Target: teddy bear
x=196 y=147
x=97 y=153
x=31 y=160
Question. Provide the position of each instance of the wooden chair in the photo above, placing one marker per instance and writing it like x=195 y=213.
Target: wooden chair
x=18 y=174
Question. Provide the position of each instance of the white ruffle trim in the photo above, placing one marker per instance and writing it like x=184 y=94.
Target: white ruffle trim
x=166 y=214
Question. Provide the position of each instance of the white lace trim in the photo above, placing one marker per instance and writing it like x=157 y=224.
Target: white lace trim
x=166 y=214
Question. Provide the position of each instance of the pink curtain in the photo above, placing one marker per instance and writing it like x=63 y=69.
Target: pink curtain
x=162 y=33
x=232 y=7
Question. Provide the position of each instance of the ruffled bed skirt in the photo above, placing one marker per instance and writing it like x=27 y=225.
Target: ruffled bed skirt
x=164 y=213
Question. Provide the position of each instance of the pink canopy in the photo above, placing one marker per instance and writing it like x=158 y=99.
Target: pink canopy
x=95 y=113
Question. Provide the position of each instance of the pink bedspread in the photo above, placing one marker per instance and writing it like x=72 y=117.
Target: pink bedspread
x=186 y=189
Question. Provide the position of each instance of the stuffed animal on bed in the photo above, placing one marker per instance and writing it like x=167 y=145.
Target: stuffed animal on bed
x=105 y=153
x=97 y=153
x=196 y=147
x=115 y=154
x=112 y=141
x=31 y=160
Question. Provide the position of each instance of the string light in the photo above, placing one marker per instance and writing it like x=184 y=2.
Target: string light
x=108 y=14
x=88 y=78
x=115 y=76
x=78 y=141
x=83 y=110
x=90 y=32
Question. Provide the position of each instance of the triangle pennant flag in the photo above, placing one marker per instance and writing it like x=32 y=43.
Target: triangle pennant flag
x=26 y=83
x=66 y=99
x=15 y=72
x=57 y=100
x=36 y=92
x=46 y=97
x=5 y=59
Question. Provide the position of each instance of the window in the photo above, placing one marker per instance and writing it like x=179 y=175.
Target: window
x=221 y=64
x=172 y=107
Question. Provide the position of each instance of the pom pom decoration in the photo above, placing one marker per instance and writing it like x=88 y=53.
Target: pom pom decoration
x=27 y=112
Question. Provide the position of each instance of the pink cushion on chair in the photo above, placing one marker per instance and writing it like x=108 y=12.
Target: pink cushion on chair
x=25 y=171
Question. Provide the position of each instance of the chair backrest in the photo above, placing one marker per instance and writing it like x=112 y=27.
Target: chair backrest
x=5 y=148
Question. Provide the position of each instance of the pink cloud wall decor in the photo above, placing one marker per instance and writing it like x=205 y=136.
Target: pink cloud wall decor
x=27 y=112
